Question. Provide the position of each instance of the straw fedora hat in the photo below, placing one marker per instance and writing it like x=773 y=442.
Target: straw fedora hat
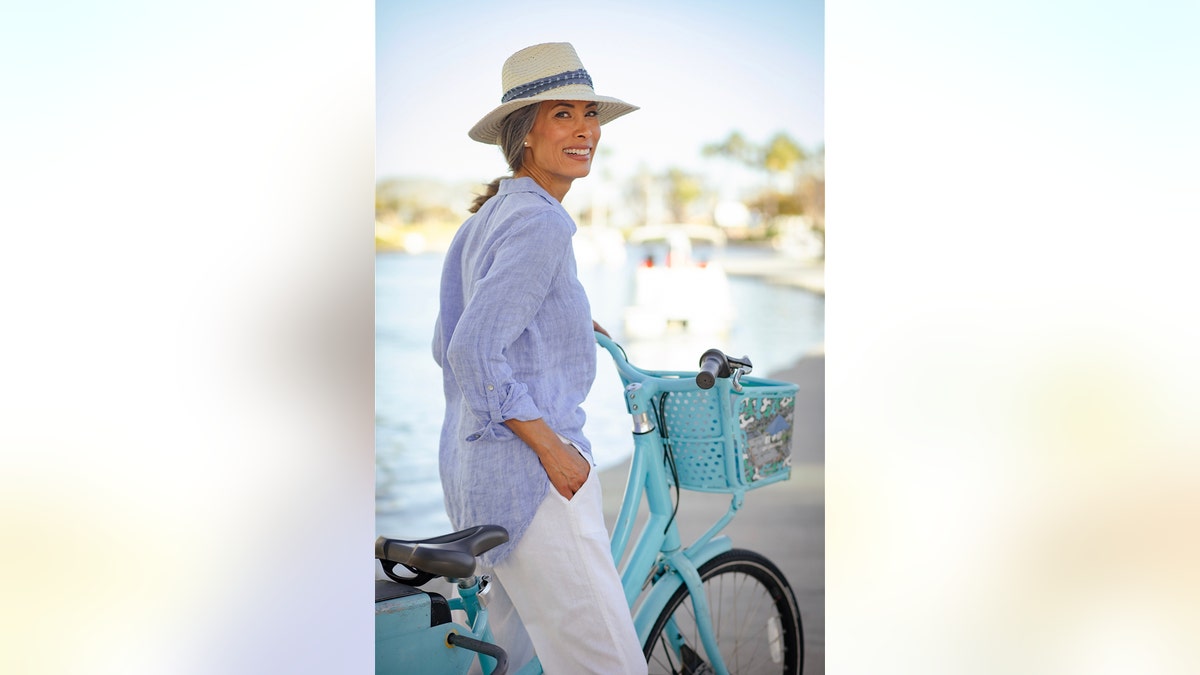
x=545 y=72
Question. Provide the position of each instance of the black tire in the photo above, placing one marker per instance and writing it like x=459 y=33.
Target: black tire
x=752 y=605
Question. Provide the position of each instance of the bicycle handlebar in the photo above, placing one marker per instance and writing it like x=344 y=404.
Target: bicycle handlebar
x=713 y=364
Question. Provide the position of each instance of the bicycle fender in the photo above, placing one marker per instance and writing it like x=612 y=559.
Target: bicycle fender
x=664 y=588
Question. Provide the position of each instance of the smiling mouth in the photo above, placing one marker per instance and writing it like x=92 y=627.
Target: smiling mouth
x=579 y=152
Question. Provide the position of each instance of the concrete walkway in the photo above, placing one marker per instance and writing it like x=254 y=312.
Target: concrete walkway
x=784 y=521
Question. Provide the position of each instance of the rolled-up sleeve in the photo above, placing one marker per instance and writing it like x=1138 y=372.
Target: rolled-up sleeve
x=518 y=271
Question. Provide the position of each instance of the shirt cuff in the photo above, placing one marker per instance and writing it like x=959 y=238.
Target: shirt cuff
x=513 y=403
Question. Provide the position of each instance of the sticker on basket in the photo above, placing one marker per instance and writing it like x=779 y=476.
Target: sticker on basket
x=767 y=421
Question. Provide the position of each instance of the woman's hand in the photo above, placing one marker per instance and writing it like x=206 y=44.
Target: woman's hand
x=566 y=468
x=600 y=329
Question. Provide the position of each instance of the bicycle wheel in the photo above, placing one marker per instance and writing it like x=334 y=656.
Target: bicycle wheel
x=754 y=615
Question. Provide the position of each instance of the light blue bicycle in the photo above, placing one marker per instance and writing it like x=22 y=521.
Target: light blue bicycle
x=702 y=608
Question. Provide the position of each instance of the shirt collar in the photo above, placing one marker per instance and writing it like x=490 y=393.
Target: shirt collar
x=527 y=184
x=523 y=184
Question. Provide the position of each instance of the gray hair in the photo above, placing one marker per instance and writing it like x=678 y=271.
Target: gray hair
x=513 y=131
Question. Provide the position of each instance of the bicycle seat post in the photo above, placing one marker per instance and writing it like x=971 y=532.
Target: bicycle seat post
x=478 y=586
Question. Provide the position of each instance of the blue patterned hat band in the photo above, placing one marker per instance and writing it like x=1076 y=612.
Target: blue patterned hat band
x=546 y=84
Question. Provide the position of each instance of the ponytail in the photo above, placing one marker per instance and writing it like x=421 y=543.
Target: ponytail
x=489 y=192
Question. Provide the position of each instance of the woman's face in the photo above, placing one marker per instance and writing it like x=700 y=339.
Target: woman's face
x=562 y=142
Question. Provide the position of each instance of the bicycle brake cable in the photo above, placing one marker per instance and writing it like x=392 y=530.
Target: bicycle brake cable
x=669 y=455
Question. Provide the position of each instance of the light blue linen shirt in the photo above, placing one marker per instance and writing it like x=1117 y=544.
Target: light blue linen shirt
x=514 y=340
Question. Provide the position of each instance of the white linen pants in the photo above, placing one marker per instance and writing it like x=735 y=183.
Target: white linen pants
x=558 y=593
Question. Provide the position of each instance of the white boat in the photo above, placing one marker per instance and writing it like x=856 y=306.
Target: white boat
x=680 y=283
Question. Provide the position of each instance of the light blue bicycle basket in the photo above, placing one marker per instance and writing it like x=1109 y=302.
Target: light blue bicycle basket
x=727 y=441
x=721 y=440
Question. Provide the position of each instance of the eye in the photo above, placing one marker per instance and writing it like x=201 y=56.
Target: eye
x=592 y=113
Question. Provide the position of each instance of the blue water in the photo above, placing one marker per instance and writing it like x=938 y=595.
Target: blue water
x=776 y=326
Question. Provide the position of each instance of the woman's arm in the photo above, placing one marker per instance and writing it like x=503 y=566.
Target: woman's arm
x=503 y=299
x=564 y=465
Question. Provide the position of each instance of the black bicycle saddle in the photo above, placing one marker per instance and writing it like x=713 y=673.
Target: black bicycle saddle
x=450 y=555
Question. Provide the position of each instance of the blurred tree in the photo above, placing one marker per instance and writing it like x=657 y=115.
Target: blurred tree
x=736 y=148
x=793 y=180
x=783 y=154
x=406 y=202
x=811 y=191
x=682 y=189
x=782 y=203
x=387 y=201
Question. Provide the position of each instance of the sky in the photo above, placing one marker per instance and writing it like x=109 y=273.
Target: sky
x=698 y=70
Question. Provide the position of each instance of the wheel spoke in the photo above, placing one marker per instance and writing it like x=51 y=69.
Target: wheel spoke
x=753 y=615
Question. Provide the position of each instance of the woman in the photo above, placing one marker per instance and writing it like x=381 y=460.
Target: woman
x=514 y=338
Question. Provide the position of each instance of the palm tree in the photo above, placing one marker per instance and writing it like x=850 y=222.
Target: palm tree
x=735 y=148
x=783 y=154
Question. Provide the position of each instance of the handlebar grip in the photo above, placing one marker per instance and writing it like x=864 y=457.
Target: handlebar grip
x=713 y=364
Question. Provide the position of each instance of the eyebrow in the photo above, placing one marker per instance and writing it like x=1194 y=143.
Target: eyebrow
x=569 y=104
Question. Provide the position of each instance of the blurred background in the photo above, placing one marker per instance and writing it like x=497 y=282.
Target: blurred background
x=701 y=224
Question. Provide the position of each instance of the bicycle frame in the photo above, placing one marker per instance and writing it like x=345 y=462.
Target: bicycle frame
x=658 y=557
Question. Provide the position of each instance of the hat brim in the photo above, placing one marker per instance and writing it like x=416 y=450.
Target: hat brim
x=487 y=130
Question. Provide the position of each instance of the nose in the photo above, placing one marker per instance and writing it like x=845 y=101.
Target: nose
x=588 y=127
